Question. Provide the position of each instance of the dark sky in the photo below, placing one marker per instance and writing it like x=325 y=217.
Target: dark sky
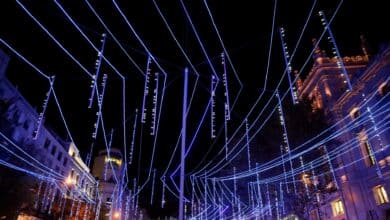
x=245 y=27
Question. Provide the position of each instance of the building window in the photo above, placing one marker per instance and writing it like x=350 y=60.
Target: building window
x=59 y=156
x=53 y=150
x=65 y=161
x=337 y=207
x=354 y=113
x=384 y=89
x=26 y=125
x=366 y=149
x=327 y=90
x=71 y=174
x=380 y=195
x=47 y=143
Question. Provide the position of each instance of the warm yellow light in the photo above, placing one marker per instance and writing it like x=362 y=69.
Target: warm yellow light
x=305 y=179
x=116 y=214
x=68 y=181
x=113 y=160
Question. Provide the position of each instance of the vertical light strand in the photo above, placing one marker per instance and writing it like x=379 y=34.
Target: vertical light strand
x=239 y=206
x=53 y=197
x=192 y=196
x=250 y=195
x=163 y=193
x=371 y=153
x=233 y=205
x=283 y=211
x=133 y=137
x=97 y=67
x=78 y=208
x=45 y=195
x=269 y=212
x=226 y=85
x=48 y=201
x=212 y=107
x=99 y=204
x=135 y=193
x=234 y=186
x=292 y=88
x=315 y=181
x=44 y=107
x=127 y=208
x=100 y=106
x=247 y=143
x=284 y=168
x=36 y=206
x=335 y=51
x=331 y=166
x=86 y=210
x=155 y=102
x=89 y=156
x=71 y=208
x=146 y=90
x=137 y=201
x=285 y=139
x=277 y=205
x=153 y=181
x=214 y=192
x=260 y=198
x=205 y=195
x=226 y=134
x=304 y=176
x=183 y=145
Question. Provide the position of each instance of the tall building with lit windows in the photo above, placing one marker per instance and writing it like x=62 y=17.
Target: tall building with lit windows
x=359 y=152
x=55 y=173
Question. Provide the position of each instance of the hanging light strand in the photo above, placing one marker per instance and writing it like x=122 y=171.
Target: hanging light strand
x=155 y=102
x=287 y=60
x=97 y=67
x=44 y=107
x=336 y=52
x=146 y=90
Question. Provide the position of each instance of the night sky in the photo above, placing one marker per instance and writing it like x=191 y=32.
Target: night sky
x=245 y=27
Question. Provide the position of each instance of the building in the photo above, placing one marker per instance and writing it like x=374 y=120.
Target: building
x=55 y=171
x=114 y=198
x=362 y=136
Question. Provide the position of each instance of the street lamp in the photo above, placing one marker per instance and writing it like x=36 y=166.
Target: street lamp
x=117 y=215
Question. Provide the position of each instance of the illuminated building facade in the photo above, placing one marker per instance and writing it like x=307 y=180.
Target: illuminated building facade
x=56 y=172
x=359 y=153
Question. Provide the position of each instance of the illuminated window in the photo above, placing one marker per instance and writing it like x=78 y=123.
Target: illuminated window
x=384 y=89
x=354 y=113
x=366 y=149
x=337 y=207
x=380 y=195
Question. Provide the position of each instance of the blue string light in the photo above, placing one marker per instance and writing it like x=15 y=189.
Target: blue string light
x=97 y=67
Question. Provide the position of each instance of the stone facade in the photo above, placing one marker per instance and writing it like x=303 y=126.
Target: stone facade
x=361 y=134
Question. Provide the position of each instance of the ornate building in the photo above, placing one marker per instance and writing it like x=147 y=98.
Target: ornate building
x=52 y=169
x=359 y=152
